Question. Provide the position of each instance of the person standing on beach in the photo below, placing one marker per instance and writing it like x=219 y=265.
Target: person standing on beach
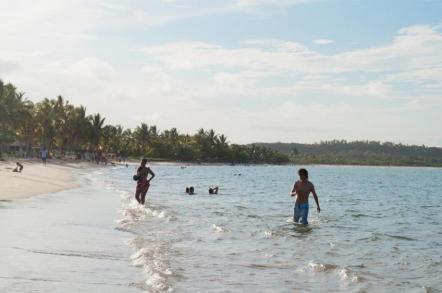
x=143 y=183
x=302 y=188
x=44 y=155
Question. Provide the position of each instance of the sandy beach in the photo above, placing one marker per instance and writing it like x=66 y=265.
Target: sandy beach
x=36 y=178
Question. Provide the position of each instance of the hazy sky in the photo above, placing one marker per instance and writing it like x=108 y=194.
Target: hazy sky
x=255 y=70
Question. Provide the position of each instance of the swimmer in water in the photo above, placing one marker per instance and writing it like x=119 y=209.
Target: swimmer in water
x=213 y=190
x=143 y=183
x=302 y=188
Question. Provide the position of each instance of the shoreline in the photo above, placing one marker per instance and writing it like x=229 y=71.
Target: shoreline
x=59 y=175
x=36 y=178
x=190 y=163
x=156 y=161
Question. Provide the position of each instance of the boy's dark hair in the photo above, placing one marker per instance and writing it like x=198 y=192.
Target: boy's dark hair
x=144 y=160
x=304 y=172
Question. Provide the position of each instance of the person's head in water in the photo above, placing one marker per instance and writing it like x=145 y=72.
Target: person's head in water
x=191 y=190
x=213 y=190
x=143 y=162
x=303 y=174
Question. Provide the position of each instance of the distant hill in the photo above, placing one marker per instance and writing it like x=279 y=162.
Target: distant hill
x=359 y=153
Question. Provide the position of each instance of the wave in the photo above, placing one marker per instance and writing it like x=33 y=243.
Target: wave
x=400 y=237
x=152 y=258
x=267 y=234
x=69 y=253
x=360 y=215
x=379 y=236
x=320 y=267
x=219 y=228
x=133 y=212
x=345 y=274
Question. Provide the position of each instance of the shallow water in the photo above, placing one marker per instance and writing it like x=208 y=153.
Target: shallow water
x=379 y=231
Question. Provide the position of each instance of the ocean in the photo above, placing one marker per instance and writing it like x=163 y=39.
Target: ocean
x=379 y=230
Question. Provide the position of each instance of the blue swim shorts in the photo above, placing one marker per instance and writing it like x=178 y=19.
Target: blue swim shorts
x=301 y=211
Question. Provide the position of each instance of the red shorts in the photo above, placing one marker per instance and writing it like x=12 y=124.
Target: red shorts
x=143 y=186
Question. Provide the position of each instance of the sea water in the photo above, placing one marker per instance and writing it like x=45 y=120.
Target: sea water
x=379 y=230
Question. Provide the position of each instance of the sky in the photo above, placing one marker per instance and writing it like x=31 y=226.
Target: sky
x=254 y=70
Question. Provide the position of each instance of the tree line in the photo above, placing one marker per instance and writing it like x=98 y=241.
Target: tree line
x=359 y=153
x=65 y=128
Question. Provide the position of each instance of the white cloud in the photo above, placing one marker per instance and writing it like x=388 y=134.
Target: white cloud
x=257 y=3
x=261 y=89
x=365 y=93
x=413 y=50
x=7 y=66
x=323 y=42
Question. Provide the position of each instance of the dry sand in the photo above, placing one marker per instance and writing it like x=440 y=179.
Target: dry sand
x=36 y=178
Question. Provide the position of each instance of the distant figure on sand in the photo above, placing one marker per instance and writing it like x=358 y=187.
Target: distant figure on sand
x=44 y=155
x=213 y=190
x=302 y=189
x=18 y=168
x=143 y=183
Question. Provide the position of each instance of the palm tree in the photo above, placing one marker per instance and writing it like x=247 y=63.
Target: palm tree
x=59 y=125
x=96 y=130
x=46 y=122
x=63 y=113
x=142 y=136
x=27 y=126
x=16 y=114
x=127 y=143
x=10 y=104
x=221 y=147
x=78 y=129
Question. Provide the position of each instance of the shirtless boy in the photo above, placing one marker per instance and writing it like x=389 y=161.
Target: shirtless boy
x=302 y=189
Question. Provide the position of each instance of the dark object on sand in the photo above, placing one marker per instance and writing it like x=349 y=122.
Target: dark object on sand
x=19 y=168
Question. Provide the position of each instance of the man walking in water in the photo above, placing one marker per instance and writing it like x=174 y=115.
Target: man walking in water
x=302 y=189
x=143 y=183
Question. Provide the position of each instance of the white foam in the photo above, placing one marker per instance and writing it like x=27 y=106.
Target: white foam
x=133 y=212
x=153 y=261
x=219 y=228
x=268 y=234
x=345 y=274
x=320 y=267
x=348 y=275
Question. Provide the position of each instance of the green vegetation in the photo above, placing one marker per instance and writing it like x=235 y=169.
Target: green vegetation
x=67 y=129
x=359 y=153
